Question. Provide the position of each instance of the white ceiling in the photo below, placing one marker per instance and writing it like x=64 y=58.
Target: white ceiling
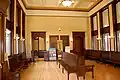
x=79 y=4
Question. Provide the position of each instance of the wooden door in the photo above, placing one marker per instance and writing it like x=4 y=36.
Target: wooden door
x=78 y=43
x=53 y=41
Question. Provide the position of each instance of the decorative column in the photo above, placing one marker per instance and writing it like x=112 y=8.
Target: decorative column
x=14 y=31
x=89 y=34
x=98 y=24
x=111 y=28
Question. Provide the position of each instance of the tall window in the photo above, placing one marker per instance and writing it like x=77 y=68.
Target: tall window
x=8 y=42
x=17 y=43
x=118 y=40
x=95 y=23
x=95 y=43
x=118 y=27
x=118 y=12
x=105 y=18
x=105 y=30
x=94 y=32
x=106 y=42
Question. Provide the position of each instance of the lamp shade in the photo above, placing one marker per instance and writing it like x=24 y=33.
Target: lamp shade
x=67 y=3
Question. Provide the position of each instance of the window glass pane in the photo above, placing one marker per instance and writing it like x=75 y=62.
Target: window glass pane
x=16 y=16
x=95 y=23
x=94 y=43
x=118 y=12
x=118 y=40
x=106 y=42
x=115 y=42
x=105 y=18
x=23 y=46
x=8 y=42
x=17 y=43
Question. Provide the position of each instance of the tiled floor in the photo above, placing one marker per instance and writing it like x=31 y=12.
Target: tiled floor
x=49 y=71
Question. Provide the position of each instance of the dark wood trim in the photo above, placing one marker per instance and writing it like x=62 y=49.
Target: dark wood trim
x=94 y=33
x=38 y=43
x=12 y=25
x=23 y=24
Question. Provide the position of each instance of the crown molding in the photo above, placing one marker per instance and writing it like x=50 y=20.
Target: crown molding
x=56 y=13
x=60 y=9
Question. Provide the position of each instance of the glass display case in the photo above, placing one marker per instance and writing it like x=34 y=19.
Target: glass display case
x=52 y=54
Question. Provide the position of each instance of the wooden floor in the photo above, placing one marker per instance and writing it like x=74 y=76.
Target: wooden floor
x=49 y=71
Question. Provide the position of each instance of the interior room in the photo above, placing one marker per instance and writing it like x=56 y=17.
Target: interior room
x=59 y=39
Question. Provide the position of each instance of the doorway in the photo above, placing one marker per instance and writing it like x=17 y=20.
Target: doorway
x=39 y=43
x=79 y=43
x=65 y=40
x=53 y=41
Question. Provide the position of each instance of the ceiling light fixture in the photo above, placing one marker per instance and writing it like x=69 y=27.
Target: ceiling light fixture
x=67 y=3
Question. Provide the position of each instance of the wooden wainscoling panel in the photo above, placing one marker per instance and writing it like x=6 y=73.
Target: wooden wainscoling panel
x=78 y=43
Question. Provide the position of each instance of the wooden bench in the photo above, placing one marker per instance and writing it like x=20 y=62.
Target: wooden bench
x=69 y=62
x=17 y=62
x=115 y=58
x=95 y=55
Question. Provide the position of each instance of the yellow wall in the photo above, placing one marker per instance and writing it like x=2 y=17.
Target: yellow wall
x=51 y=25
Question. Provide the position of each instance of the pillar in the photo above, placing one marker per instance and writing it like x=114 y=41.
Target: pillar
x=89 y=36
x=111 y=28
x=98 y=26
x=14 y=31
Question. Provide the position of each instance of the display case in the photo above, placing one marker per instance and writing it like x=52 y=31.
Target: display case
x=52 y=54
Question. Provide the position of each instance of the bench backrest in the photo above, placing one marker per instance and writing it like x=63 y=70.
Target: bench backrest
x=13 y=62
x=72 y=59
x=69 y=58
x=81 y=69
